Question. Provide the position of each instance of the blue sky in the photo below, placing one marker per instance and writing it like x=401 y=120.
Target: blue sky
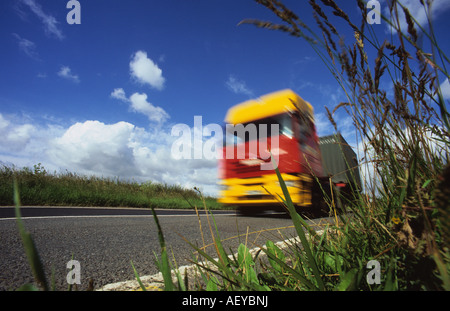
x=101 y=97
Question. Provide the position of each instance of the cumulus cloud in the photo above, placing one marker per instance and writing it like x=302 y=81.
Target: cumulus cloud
x=145 y=71
x=138 y=103
x=14 y=137
x=92 y=147
x=417 y=11
x=23 y=142
x=127 y=151
x=238 y=86
x=66 y=73
x=50 y=23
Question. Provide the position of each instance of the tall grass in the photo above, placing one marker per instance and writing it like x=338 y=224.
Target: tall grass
x=39 y=187
x=402 y=219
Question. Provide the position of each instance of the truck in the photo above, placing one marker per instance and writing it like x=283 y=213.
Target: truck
x=278 y=130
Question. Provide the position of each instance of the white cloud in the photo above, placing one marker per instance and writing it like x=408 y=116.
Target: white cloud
x=138 y=103
x=417 y=11
x=323 y=125
x=24 y=143
x=66 y=73
x=50 y=22
x=145 y=71
x=126 y=151
x=95 y=147
x=445 y=89
x=238 y=86
x=13 y=137
x=120 y=150
x=26 y=46
x=119 y=93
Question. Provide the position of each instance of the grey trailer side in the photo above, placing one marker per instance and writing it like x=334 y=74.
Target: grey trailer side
x=339 y=161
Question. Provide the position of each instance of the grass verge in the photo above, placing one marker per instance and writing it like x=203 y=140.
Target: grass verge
x=38 y=187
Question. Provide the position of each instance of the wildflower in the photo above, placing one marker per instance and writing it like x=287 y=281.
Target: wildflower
x=396 y=220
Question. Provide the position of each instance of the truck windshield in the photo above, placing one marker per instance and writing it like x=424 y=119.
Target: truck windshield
x=259 y=129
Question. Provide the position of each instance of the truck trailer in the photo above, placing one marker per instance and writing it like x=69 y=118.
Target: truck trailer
x=278 y=129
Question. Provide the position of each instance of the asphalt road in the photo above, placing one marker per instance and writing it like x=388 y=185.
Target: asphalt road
x=106 y=240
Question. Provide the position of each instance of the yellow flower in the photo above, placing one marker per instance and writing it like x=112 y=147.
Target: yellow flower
x=396 y=220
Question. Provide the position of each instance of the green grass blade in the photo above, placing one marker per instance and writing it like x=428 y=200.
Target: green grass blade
x=216 y=238
x=224 y=270
x=391 y=279
x=30 y=248
x=182 y=284
x=164 y=263
x=348 y=280
x=27 y=288
x=246 y=264
x=211 y=286
x=272 y=248
x=293 y=272
x=138 y=279
x=218 y=243
x=299 y=224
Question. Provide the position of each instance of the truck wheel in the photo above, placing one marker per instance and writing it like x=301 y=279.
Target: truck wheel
x=320 y=194
x=246 y=211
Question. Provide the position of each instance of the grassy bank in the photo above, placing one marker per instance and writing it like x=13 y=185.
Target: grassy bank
x=39 y=187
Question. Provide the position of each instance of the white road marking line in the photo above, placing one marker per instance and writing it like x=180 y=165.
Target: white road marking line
x=111 y=216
